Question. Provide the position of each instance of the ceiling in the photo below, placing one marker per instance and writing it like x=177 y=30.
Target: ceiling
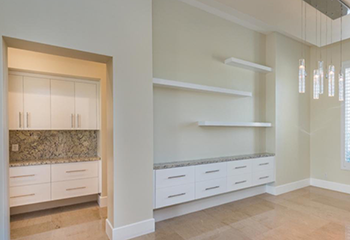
x=283 y=16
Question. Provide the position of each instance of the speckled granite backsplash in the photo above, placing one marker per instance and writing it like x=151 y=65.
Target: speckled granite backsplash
x=53 y=144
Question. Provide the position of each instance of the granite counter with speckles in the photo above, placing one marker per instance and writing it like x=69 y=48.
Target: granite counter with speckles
x=158 y=166
x=52 y=161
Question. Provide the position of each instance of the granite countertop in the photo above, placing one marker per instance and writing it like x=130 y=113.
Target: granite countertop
x=157 y=166
x=52 y=161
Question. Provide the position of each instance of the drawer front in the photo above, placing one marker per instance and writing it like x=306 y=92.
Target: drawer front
x=20 y=176
x=24 y=195
x=263 y=177
x=174 y=177
x=174 y=195
x=239 y=167
x=210 y=188
x=73 y=171
x=262 y=164
x=74 y=188
x=211 y=171
x=239 y=181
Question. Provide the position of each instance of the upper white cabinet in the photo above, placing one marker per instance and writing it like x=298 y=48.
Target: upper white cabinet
x=86 y=105
x=62 y=104
x=45 y=102
x=36 y=103
x=15 y=96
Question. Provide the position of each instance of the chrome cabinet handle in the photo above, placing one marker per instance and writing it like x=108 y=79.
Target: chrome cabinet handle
x=262 y=164
x=212 y=171
x=179 y=176
x=211 y=188
x=20 y=120
x=78 y=120
x=27 y=195
x=77 y=188
x=240 y=167
x=27 y=120
x=23 y=176
x=264 y=177
x=72 y=120
x=74 y=171
x=241 y=182
x=176 y=195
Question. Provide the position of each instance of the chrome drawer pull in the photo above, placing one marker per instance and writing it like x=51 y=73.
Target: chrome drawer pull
x=240 y=167
x=264 y=177
x=241 y=182
x=262 y=164
x=72 y=189
x=177 y=195
x=22 y=176
x=211 y=188
x=74 y=171
x=20 y=120
x=21 y=196
x=212 y=171
x=180 y=176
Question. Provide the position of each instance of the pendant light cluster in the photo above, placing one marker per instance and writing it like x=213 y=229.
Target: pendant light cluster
x=321 y=74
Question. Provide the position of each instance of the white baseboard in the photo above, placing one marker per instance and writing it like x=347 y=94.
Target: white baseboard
x=278 y=190
x=102 y=201
x=198 y=205
x=130 y=231
x=339 y=187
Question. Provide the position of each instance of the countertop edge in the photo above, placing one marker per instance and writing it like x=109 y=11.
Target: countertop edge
x=160 y=166
x=14 y=164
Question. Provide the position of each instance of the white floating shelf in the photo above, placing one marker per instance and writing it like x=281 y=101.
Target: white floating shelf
x=248 y=65
x=233 y=124
x=196 y=87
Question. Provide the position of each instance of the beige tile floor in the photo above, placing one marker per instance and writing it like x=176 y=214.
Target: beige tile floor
x=310 y=214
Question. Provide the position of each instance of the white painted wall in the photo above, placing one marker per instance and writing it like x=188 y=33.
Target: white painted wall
x=120 y=29
x=190 y=45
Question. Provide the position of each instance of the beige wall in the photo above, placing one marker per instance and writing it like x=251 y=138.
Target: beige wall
x=122 y=30
x=288 y=110
x=326 y=124
x=190 y=45
x=51 y=64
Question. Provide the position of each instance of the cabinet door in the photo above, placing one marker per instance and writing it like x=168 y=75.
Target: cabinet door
x=62 y=104
x=37 y=103
x=15 y=103
x=86 y=105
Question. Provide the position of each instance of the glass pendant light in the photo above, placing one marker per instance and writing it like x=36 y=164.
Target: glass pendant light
x=316 y=84
x=341 y=87
x=302 y=74
x=331 y=80
x=321 y=75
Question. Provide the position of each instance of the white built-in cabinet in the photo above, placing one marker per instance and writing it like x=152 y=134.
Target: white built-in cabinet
x=43 y=102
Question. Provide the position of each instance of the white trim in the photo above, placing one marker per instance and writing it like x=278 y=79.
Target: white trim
x=247 y=65
x=102 y=201
x=198 y=205
x=130 y=231
x=233 y=124
x=289 y=187
x=334 y=186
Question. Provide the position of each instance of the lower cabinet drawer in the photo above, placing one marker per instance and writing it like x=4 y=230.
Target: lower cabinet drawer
x=20 y=176
x=263 y=177
x=174 y=195
x=24 y=195
x=239 y=182
x=74 y=171
x=210 y=188
x=74 y=188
